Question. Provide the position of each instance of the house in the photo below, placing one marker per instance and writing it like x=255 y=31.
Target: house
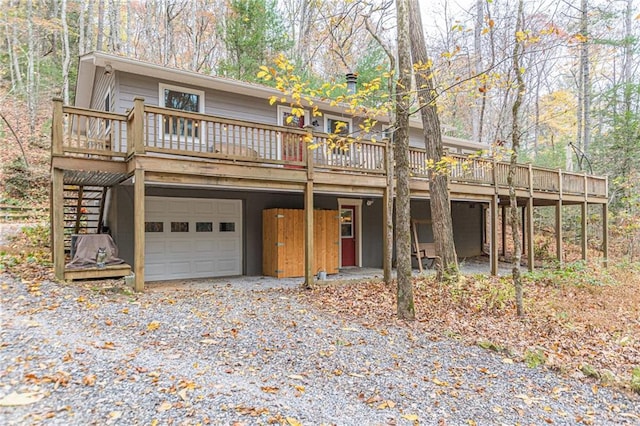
x=179 y=168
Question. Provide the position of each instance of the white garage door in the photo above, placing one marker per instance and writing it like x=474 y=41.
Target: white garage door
x=192 y=238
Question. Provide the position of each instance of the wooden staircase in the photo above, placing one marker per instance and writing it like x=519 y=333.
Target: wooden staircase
x=83 y=211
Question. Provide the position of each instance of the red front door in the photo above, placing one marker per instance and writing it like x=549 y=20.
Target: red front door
x=348 y=235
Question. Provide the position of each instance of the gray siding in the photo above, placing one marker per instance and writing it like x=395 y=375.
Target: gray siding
x=467 y=222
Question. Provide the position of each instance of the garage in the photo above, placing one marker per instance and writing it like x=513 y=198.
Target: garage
x=192 y=238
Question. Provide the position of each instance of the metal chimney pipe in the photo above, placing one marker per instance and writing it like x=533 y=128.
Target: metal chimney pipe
x=352 y=80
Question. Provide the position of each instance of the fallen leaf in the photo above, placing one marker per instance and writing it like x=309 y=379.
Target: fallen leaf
x=15 y=399
x=270 y=389
x=164 y=406
x=373 y=399
x=439 y=382
x=115 y=414
x=386 y=404
x=507 y=360
x=183 y=394
x=89 y=380
x=293 y=422
x=295 y=377
x=153 y=325
x=410 y=417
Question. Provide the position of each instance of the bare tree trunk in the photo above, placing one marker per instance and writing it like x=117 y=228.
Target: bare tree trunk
x=447 y=269
x=114 y=25
x=586 y=76
x=82 y=9
x=515 y=146
x=31 y=75
x=100 y=36
x=129 y=31
x=66 y=61
x=13 y=44
x=388 y=226
x=584 y=83
x=477 y=45
x=405 y=306
x=89 y=31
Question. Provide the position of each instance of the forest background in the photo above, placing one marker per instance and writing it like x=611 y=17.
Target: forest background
x=581 y=106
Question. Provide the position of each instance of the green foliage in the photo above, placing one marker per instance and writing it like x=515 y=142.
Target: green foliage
x=33 y=250
x=589 y=371
x=491 y=346
x=253 y=33
x=495 y=295
x=37 y=235
x=534 y=357
x=576 y=274
x=635 y=380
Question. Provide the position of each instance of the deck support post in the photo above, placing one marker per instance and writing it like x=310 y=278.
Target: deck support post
x=494 y=234
x=387 y=214
x=503 y=226
x=559 y=248
x=308 y=220
x=308 y=235
x=605 y=234
x=57 y=222
x=138 y=229
x=584 y=212
x=529 y=234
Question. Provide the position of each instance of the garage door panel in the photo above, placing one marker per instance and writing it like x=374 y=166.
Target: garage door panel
x=205 y=246
x=155 y=269
x=154 y=247
x=214 y=251
x=204 y=207
x=229 y=266
x=179 y=247
x=179 y=267
x=202 y=266
x=228 y=207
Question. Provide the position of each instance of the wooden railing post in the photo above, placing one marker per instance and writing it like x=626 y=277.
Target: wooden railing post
x=57 y=128
x=530 y=180
x=137 y=127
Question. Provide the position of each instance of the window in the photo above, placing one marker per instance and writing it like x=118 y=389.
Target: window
x=284 y=113
x=346 y=223
x=179 y=226
x=337 y=125
x=107 y=108
x=153 y=227
x=204 y=227
x=183 y=99
x=341 y=127
x=227 y=227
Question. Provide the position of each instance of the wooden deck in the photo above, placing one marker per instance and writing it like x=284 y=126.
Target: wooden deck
x=153 y=145
x=96 y=142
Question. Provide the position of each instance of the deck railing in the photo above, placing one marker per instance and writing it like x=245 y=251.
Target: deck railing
x=151 y=129
x=88 y=132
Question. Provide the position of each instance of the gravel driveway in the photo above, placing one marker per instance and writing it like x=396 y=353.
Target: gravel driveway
x=244 y=352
